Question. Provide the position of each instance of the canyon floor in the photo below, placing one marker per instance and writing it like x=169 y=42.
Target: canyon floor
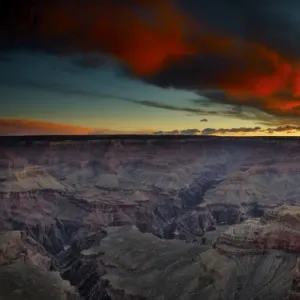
x=153 y=218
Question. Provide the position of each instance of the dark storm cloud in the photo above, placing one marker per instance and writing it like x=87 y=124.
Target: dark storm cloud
x=197 y=111
x=274 y=23
x=190 y=131
x=209 y=71
x=233 y=131
x=193 y=131
x=91 y=61
x=231 y=111
x=248 y=49
x=172 y=132
x=208 y=131
x=260 y=64
x=285 y=128
x=141 y=34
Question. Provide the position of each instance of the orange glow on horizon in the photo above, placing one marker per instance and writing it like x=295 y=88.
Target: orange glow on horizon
x=30 y=127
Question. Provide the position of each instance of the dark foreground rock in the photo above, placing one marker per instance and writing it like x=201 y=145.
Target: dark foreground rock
x=128 y=264
x=25 y=271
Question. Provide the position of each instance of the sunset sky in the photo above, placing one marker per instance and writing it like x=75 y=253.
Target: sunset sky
x=150 y=66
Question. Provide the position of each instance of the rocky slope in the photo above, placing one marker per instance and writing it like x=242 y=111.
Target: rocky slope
x=104 y=213
x=124 y=263
x=25 y=271
x=152 y=184
x=121 y=262
x=248 y=261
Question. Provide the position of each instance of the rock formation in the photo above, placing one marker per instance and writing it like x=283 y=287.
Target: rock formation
x=294 y=293
x=24 y=271
x=278 y=229
x=103 y=215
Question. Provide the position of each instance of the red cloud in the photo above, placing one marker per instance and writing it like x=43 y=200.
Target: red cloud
x=145 y=44
x=264 y=80
x=150 y=36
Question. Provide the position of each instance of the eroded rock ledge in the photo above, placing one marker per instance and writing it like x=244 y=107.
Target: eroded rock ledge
x=279 y=229
x=25 y=271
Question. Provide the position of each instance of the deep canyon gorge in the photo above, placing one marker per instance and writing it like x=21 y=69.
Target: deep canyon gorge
x=117 y=219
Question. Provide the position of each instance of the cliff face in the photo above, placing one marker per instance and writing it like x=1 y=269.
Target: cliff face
x=112 y=267
x=294 y=293
x=100 y=214
x=124 y=263
x=24 y=271
x=152 y=178
x=155 y=185
x=277 y=230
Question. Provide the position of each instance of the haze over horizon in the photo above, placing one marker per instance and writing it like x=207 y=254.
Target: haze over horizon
x=145 y=67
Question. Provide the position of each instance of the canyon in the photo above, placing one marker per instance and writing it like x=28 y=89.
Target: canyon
x=153 y=218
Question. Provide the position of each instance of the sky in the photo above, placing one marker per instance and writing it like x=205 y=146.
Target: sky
x=150 y=66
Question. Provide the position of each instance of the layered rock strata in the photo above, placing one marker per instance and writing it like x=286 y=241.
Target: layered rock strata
x=25 y=271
